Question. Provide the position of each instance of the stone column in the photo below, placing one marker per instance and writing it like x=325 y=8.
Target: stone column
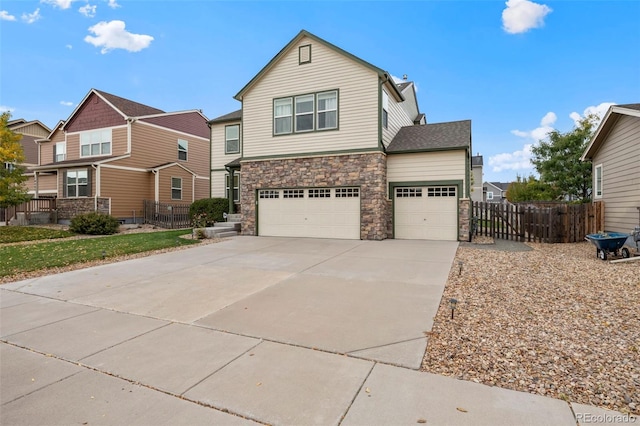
x=464 y=219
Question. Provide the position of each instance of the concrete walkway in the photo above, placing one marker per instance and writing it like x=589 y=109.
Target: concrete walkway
x=266 y=330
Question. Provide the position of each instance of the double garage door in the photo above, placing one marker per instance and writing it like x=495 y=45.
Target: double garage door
x=310 y=212
x=426 y=213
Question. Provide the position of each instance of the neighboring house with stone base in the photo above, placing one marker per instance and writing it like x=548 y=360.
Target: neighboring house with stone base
x=111 y=154
x=327 y=145
x=614 y=151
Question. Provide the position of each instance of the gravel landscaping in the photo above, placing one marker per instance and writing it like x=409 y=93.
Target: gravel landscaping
x=554 y=321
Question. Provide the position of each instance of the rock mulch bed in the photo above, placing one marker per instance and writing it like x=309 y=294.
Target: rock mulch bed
x=554 y=321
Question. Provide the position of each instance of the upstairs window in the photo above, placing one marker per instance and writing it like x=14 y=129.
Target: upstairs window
x=95 y=143
x=60 y=151
x=183 y=147
x=282 y=116
x=232 y=139
x=304 y=113
x=385 y=109
x=328 y=110
x=176 y=188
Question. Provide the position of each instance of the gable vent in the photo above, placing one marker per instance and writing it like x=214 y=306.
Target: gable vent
x=304 y=54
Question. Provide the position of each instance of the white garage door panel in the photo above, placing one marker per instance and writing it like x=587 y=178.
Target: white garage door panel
x=319 y=213
x=426 y=213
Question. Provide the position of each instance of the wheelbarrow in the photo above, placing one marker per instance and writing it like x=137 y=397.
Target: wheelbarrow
x=609 y=243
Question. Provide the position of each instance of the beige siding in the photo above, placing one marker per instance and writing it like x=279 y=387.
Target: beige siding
x=61 y=183
x=476 y=190
x=621 y=180
x=329 y=70
x=118 y=143
x=202 y=189
x=427 y=166
x=218 y=184
x=397 y=118
x=165 y=185
x=218 y=157
x=46 y=148
x=47 y=184
x=127 y=189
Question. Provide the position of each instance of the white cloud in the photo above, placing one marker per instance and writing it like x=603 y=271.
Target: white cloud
x=68 y=46
x=113 y=4
x=62 y=4
x=522 y=15
x=88 y=10
x=4 y=108
x=112 y=35
x=30 y=18
x=66 y=103
x=5 y=16
x=517 y=160
x=598 y=110
x=539 y=133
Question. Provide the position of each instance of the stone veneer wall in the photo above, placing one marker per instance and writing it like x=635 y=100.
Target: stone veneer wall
x=68 y=208
x=367 y=171
x=464 y=219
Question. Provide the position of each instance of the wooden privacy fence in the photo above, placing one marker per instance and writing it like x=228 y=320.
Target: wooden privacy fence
x=166 y=215
x=34 y=211
x=538 y=222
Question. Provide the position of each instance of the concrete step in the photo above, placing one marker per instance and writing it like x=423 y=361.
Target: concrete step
x=234 y=217
x=228 y=225
x=227 y=234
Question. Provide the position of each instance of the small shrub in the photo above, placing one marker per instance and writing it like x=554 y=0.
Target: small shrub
x=207 y=211
x=94 y=224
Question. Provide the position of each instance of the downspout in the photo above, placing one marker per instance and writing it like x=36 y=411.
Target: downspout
x=157 y=186
x=193 y=188
x=97 y=194
x=130 y=120
x=210 y=153
x=232 y=209
x=36 y=187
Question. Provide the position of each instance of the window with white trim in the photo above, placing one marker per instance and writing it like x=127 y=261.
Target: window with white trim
x=597 y=181
x=232 y=139
x=176 y=188
x=236 y=187
x=183 y=149
x=94 y=143
x=77 y=183
x=282 y=116
x=327 y=110
x=304 y=113
x=489 y=195
x=385 y=109
x=60 y=153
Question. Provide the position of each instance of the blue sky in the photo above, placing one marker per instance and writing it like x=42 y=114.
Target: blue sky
x=517 y=69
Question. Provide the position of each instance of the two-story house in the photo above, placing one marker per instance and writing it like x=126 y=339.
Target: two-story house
x=113 y=153
x=328 y=145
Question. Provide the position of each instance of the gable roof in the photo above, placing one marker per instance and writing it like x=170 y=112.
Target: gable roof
x=232 y=116
x=192 y=122
x=499 y=185
x=381 y=73
x=610 y=118
x=432 y=137
x=127 y=107
x=477 y=160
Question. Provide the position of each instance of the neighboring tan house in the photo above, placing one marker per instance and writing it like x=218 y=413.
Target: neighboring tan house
x=614 y=152
x=327 y=145
x=113 y=153
x=495 y=192
x=476 y=184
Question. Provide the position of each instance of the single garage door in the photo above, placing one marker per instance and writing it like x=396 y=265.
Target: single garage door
x=309 y=212
x=426 y=213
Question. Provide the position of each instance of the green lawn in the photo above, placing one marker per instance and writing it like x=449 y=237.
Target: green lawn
x=15 y=234
x=31 y=257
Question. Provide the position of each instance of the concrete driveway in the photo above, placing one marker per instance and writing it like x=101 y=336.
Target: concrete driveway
x=269 y=330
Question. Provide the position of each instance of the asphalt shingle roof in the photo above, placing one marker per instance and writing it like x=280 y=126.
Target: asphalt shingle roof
x=232 y=116
x=476 y=160
x=630 y=106
x=436 y=136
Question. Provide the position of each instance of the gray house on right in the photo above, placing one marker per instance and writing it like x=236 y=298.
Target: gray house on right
x=614 y=152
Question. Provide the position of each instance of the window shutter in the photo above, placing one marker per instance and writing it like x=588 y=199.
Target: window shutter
x=64 y=184
x=89 y=173
x=54 y=152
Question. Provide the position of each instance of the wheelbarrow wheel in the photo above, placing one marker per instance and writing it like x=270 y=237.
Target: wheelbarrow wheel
x=626 y=253
x=603 y=255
